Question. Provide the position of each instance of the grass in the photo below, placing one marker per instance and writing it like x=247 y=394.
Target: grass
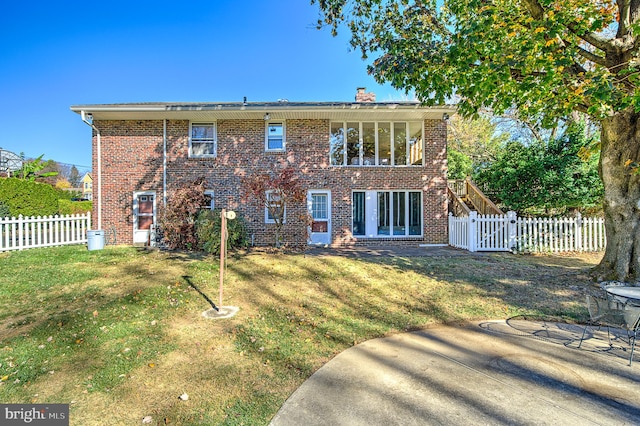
x=119 y=333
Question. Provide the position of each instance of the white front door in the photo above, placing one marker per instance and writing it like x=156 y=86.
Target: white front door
x=319 y=204
x=144 y=215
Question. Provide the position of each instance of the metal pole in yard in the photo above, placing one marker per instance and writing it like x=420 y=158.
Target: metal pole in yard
x=223 y=246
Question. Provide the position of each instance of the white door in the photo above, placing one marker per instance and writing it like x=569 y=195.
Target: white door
x=144 y=215
x=319 y=204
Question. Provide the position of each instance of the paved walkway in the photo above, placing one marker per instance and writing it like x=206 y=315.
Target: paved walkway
x=494 y=372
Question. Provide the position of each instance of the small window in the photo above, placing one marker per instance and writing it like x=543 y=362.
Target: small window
x=208 y=197
x=202 y=142
x=275 y=207
x=274 y=140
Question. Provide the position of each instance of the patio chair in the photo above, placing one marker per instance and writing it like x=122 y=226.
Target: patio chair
x=605 y=312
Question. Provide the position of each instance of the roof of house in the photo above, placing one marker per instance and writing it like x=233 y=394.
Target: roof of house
x=280 y=110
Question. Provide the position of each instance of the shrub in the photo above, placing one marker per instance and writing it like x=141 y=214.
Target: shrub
x=177 y=219
x=74 y=207
x=4 y=210
x=208 y=229
x=28 y=198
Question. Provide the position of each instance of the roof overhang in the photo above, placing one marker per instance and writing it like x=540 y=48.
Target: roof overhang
x=375 y=111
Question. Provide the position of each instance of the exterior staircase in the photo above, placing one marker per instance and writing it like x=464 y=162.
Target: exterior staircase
x=464 y=196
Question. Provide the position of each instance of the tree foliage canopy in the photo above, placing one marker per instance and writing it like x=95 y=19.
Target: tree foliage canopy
x=31 y=170
x=545 y=57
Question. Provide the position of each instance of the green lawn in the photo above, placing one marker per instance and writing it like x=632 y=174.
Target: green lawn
x=119 y=333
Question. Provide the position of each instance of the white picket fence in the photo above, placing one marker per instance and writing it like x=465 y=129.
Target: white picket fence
x=31 y=232
x=511 y=233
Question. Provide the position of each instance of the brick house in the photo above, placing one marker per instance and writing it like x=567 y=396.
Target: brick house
x=375 y=171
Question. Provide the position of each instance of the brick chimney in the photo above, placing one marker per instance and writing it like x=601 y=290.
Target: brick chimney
x=363 y=96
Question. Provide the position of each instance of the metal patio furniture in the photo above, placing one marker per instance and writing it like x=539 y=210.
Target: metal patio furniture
x=614 y=312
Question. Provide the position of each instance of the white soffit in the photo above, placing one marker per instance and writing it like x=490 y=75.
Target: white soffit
x=279 y=111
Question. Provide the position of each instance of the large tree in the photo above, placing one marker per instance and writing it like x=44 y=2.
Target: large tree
x=545 y=58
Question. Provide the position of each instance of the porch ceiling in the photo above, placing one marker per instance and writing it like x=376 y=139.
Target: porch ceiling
x=256 y=111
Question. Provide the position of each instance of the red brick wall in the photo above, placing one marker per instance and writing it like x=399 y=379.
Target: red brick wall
x=132 y=161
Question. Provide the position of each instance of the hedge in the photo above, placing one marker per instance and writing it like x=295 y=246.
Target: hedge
x=74 y=207
x=29 y=198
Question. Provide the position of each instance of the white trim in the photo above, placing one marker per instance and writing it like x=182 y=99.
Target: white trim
x=361 y=160
x=214 y=141
x=322 y=235
x=211 y=193
x=284 y=135
x=142 y=235
x=371 y=214
x=267 y=219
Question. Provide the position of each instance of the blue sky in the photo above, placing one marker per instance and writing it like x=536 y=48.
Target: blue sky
x=57 y=54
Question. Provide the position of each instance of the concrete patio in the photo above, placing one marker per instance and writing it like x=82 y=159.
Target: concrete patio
x=510 y=372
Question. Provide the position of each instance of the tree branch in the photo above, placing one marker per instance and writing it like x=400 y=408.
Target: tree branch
x=537 y=12
x=624 y=10
x=433 y=19
x=590 y=56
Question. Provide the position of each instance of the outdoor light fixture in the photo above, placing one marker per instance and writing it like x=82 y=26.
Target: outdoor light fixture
x=267 y=117
x=445 y=116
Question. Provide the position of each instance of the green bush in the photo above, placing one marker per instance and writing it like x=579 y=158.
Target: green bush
x=208 y=228
x=4 y=210
x=29 y=198
x=74 y=207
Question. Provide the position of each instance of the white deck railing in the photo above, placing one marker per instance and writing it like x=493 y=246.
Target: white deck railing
x=511 y=233
x=30 y=232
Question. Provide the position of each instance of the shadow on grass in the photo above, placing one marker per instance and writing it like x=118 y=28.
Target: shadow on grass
x=189 y=281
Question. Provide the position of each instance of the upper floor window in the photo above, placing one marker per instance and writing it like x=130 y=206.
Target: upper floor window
x=376 y=143
x=275 y=136
x=202 y=140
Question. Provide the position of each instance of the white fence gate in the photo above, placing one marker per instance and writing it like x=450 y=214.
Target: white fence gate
x=511 y=233
x=30 y=232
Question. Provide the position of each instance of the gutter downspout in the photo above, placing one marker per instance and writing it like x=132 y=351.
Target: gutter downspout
x=86 y=119
x=164 y=163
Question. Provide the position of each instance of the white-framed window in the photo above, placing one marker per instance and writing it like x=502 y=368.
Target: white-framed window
x=387 y=213
x=208 y=197
x=276 y=205
x=274 y=136
x=370 y=143
x=202 y=140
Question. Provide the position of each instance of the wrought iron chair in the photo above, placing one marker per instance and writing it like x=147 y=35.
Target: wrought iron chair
x=607 y=312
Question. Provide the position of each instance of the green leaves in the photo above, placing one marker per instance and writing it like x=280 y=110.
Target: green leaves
x=28 y=198
x=545 y=58
x=546 y=176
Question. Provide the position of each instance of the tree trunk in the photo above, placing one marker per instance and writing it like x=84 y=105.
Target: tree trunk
x=620 y=142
